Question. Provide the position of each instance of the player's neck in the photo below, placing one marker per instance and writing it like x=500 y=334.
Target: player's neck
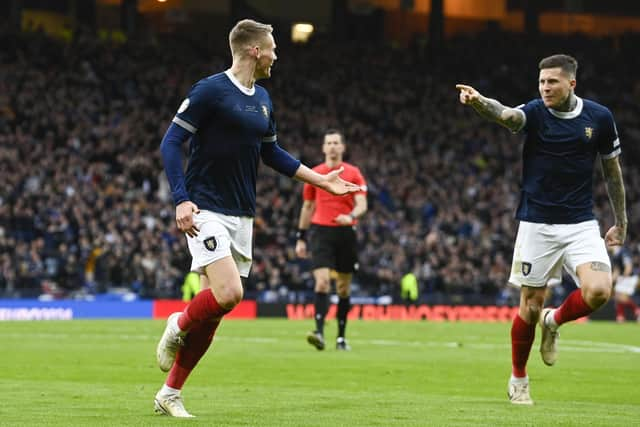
x=331 y=163
x=243 y=72
x=569 y=104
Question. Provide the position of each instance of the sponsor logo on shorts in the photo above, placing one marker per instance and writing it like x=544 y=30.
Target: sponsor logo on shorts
x=210 y=243
x=526 y=268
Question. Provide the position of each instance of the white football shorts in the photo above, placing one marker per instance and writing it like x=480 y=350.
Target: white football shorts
x=221 y=236
x=626 y=285
x=541 y=250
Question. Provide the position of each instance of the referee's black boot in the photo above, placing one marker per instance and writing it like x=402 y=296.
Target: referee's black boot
x=316 y=339
x=341 y=344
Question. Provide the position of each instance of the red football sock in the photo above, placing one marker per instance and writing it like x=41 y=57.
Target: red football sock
x=632 y=305
x=196 y=344
x=620 y=310
x=203 y=307
x=574 y=307
x=522 y=336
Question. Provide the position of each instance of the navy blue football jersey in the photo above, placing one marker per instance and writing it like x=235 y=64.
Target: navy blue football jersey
x=621 y=259
x=229 y=123
x=559 y=157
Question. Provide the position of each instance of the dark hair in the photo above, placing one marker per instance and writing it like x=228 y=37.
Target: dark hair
x=568 y=63
x=332 y=131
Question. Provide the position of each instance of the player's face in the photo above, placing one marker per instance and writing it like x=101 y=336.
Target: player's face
x=555 y=86
x=265 y=56
x=333 y=146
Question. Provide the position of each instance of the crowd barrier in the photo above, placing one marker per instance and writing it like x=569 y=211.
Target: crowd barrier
x=24 y=309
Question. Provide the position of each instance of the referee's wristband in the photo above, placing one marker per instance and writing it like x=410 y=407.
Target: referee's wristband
x=301 y=234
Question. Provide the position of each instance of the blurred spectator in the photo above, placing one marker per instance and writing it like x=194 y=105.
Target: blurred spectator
x=83 y=204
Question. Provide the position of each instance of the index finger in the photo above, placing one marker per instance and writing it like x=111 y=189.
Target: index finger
x=460 y=86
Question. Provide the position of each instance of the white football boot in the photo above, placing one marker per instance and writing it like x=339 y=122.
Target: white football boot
x=549 y=342
x=518 y=393
x=170 y=342
x=171 y=405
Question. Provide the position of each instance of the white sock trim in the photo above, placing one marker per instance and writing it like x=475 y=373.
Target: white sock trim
x=550 y=320
x=516 y=380
x=166 y=390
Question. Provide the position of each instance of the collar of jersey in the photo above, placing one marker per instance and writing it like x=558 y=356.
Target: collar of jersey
x=568 y=114
x=236 y=83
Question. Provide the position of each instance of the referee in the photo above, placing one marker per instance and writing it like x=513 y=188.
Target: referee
x=331 y=222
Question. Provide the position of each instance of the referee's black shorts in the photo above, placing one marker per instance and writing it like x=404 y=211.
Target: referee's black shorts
x=334 y=248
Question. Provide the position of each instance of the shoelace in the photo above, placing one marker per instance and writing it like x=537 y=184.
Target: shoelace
x=178 y=341
x=175 y=401
x=520 y=389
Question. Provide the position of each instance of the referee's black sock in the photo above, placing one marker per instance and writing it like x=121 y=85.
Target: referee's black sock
x=322 y=307
x=344 y=305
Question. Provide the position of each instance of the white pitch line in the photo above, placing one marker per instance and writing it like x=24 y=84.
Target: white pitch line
x=565 y=345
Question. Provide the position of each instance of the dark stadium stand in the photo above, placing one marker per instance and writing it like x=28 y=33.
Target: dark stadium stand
x=84 y=206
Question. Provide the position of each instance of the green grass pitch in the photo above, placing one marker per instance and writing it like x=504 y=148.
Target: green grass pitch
x=263 y=373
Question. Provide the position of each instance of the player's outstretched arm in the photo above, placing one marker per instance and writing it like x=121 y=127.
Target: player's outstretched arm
x=511 y=118
x=615 y=187
x=330 y=182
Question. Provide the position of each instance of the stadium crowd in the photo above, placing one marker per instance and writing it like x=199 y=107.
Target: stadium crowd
x=84 y=207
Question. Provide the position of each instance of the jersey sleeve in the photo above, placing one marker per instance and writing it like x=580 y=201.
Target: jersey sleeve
x=196 y=107
x=359 y=179
x=272 y=134
x=530 y=110
x=608 y=141
x=308 y=192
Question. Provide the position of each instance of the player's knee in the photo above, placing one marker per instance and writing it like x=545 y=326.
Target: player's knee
x=534 y=308
x=343 y=293
x=343 y=289
x=230 y=296
x=597 y=294
x=323 y=285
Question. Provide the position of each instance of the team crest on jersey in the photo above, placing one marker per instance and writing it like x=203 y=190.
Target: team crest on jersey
x=588 y=132
x=210 y=243
x=265 y=110
x=526 y=268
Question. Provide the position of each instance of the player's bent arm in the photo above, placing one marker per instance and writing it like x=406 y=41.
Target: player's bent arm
x=511 y=118
x=171 y=150
x=359 y=206
x=615 y=187
x=308 y=207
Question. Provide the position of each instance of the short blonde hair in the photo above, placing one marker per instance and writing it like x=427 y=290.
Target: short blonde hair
x=247 y=32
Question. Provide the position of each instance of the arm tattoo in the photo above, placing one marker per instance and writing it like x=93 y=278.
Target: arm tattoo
x=600 y=266
x=615 y=187
x=490 y=109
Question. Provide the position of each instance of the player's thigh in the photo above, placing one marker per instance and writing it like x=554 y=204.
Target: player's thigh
x=224 y=281
x=537 y=255
x=586 y=258
x=204 y=282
